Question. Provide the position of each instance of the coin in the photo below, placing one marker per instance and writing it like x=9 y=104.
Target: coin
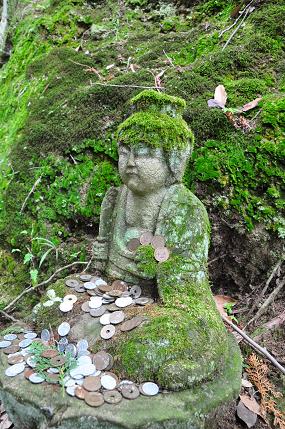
x=63 y=329
x=85 y=307
x=142 y=301
x=133 y=244
x=146 y=238
x=70 y=298
x=31 y=361
x=53 y=371
x=108 y=332
x=10 y=337
x=91 y=292
x=111 y=363
x=30 y=335
x=94 y=399
x=4 y=344
x=108 y=382
x=135 y=292
x=105 y=319
x=119 y=285
x=101 y=360
x=112 y=307
x=161 y=254
x=124 y=301
x=72 y=283
x=28 y=372
x=52 y=378
x=115 y=293
x=100 y=282
x=80 y=392
x=112 y=397
x=130 y=391
x=45 y=335
x=95 y=302
x=49 y=353
x=149 y=389
x=82 y=345
x=97 y=312
x=11 y=349
x=131 y=324
x=90 y=285
x=16 y=369
x=58 y=361
x=87 y=369
x=66 y=306
x=85 y=277
x=12 y=360
x=104 y=288
x=92 y=384
x=25 y=343
x=36 y=378
x=70 y=349
x=117 y=317
x=71 y=390
x=80 y=289
x=157 y=241
x=84 y=360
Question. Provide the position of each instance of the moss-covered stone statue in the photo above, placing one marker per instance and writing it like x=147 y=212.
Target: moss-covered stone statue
x=184 y=341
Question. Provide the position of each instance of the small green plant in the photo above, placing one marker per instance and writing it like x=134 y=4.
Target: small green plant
x=228 y=306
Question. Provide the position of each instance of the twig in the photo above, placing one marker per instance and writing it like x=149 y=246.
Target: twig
x=256 y=346
x=169 y=59
x=88 y=264
x=216 y=259
x=88 y=68
x=255 y=116
x=9 y=317
x=236 y=30
x=127 y=86
x=236 y=21
x=45 y=282
x=30 y=193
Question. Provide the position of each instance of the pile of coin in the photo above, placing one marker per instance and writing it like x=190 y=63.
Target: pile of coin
x=161 y=252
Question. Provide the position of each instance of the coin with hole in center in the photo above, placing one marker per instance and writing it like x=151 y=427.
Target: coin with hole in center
x=107 y=332
x=72 y=283
x=112 y=397
x=58 y=361
x=70 y=298
x=135 y=292
x=130 y=391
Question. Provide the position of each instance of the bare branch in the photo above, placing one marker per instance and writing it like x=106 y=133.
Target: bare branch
x=30 y=193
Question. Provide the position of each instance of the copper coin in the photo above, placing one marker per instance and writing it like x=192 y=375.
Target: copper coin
x=107 y=332
x=104 y=288
x=49 y=353
x=94 y=399
x=115 y=293
x=52 y=378
x=146 y=238
x=133 y=244
x=85 y=307
x=21 y=337
x=112 y=397
x=101 y=360
x=91 y=292
x=28 y=372
x=12 y=360
x=131 y=324
x=58 y=361
x=80 y=392
x=130 y=391
x=11 y=349
x=111 y=363
x=158 y=241
x=117 y=317
x=92 y=383
x=161 y=254
x=119 y=285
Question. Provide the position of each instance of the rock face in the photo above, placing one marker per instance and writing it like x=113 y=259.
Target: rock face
x=44 y=406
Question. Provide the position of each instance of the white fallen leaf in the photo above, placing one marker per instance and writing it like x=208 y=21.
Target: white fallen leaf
x=246 y=383
x=220 y=95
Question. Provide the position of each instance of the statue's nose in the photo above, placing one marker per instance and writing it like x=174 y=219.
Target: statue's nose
x=131 y=160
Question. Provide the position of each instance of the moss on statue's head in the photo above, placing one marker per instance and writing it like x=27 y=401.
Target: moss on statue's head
x=157 y=122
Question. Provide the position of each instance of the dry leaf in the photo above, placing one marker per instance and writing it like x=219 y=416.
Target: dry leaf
x=220 y=95
x=214 y=103
x=220 y=301
x=250 y=403
x=246 y=383
x=247 y=416
x=251 y=105
x=110 y=66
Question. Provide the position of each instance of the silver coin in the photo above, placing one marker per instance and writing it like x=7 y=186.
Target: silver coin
x=78 y=377
x=61 y=347
x=97 y=312
x=142 y=301
x=90 y=285
x=71 y=390
x=100 y=282
x=31 y=361
x=16 y=369
x=70 y=349
x=45 y=335
x=70 y=383
x=83 y=353
x=85 y=277
x=108 y=382
x=4 y=344
x=95 y=302
x=66 y=306
x=105 y=319
x=117 y=317
x=82 y=345
x=135 y=292
x=124 y=301
x=85 y=307
x=88 y=369
x=84 y=360
x=30 y=335
x=25 y=343
x=10 y=337
x=149 y=389
x=70 y=298
x=72 y=283
x=63 y=329
x=79 y=382
x=53 y=371
x=79 y=289
x=107 y=332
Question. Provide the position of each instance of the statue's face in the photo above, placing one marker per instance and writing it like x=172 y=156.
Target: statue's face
x=143 y=169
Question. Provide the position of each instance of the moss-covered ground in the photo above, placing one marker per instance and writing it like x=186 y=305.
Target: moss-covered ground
x=58 y=120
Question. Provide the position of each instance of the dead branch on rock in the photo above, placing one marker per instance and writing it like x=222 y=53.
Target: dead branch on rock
x=127 y=86
x=255 y=345
x=30 y=193
x=44 y=283
x=8 y=316
x=247 y=12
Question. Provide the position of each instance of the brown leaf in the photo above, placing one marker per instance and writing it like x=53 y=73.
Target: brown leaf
x=220 y=95
x=247 y=416
x=250 y=403
x=220 y=301
x=251 y=105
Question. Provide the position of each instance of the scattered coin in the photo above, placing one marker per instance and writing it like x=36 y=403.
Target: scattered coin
x=71 y=390
x=149 y=389
x=131 y=324
x=111 y=363
x=72 y=283
x=105 y=319
x=28 y=372
x=70 y=298
x=91 y=292
x=53 y=371
x=10 y=337
x=52 y=378
x=124 y=301
x=94 y=399
x=82 y=345
x=157 y=241
x=25 y=343
x=84 y=360
x=112 y=307
x=30 y=335
x=112 y=397
x=4 y=344
x=16 y=369
x=104 y=288
x=100 y=282
x=12 y=360
x=80 y=289
x=87 y=370
x=108 y=382
x=108 y=332
x=63 y=329
x=36 y=378
x=90 y=285
x=115 y=293
x=146 y=238
x=117 y=317
x=58 y=361
x=85 y=307
x=95 y=302
x=45 y=335
x=135 y=292
x=97 y=312
x=119 y=285
x=66 y=306
x=11 y=350
x=49 y=353
x=80 y=392
x=101 y=360
x=31 y=361
x=133 y=244
x=142 y=301
x=85 y=277
x=130 y=391
x=71 y=350
x=92 y=384
x=161 y=254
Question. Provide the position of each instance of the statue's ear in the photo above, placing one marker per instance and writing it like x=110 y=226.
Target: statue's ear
x=177 y=161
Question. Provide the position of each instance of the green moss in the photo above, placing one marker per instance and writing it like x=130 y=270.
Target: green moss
x=148 y=98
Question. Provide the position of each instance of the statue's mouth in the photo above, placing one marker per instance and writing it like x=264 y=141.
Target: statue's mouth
x=131 y=173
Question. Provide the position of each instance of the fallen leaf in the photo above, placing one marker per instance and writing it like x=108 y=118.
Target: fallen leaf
x=250 y=403
x=251 y=105
x=220 y=95
x=110 y=66
x=247 y=416
x=246 y=383
x=214 y=103
x=220 y=301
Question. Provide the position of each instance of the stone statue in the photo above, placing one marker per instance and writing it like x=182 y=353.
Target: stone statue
x=184 y=341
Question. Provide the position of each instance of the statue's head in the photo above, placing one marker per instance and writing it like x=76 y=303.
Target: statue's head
x=155 y=142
